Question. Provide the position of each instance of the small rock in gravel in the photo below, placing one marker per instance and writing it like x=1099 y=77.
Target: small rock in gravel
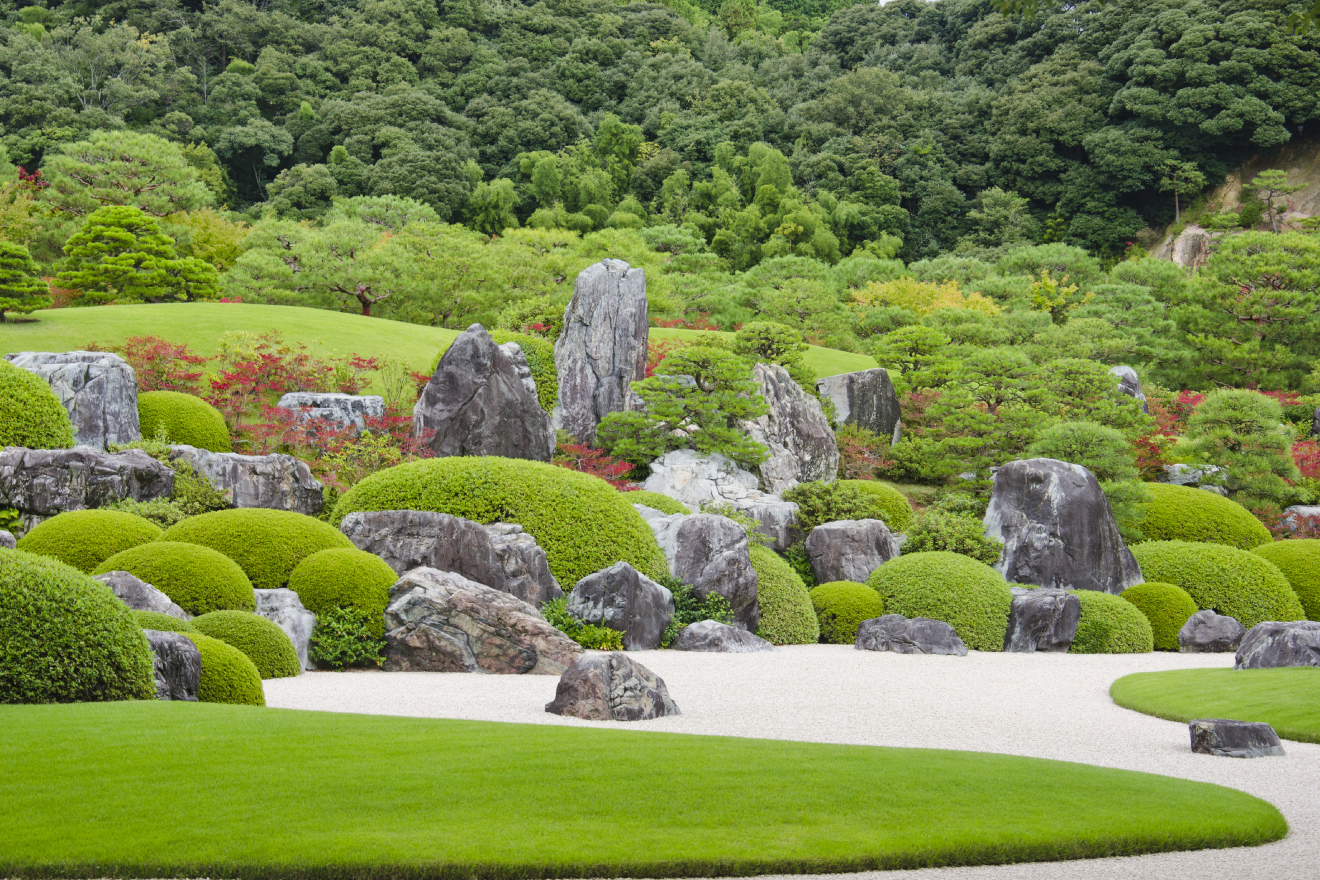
x=611 y=687
x=713 y=637
x=1234 y=739
x=920 y=635
x=1206 y=632
x=1042 y=620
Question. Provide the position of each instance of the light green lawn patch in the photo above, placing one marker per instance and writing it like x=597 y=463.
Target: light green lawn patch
x=825 y=361
x=1286 y=699
x=158 y=789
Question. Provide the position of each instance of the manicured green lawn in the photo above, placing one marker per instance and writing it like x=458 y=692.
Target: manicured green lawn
x=183 y=790
x=1287 y=699
x=825 y=361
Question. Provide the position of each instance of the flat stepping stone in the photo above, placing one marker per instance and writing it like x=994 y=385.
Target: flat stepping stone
x=1234 y=739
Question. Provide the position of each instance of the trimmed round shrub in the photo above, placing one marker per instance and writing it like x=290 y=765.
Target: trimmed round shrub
x=968 y=595
x=86 y=538
x=1110 y=625
x=581 y=522
x=656 y=501
x=30 y=413
x=198 y=579
x=787 y=617
x=64 y=638
x=896 y=511
x=345 y=577
x=1166 y=606
x=266 y=544
x=1181 y=513
x=841 y=606
x=540 y=355
x=228 y=676
x=1299 y=560
x=264 y=643
x=1223 y=579
x=187 y=419
x=163 y=622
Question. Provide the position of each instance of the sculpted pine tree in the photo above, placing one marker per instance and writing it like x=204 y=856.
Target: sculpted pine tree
x=123 y=168
x=21 y=290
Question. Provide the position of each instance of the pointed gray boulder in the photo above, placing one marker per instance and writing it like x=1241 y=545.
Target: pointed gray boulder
x=283 y=608
x=1042 y=619
x=866 y=399
x=801 y=443
x=849 y=549
x=611 y=687
x=140 y=595
x=622 y=598
x=177 y=665
x=1206 y=632
x=712 y=554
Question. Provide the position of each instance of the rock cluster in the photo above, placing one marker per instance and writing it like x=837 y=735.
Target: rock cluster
x=1273 y=644
x=800 y=441
x=41 y=483
x=920 y=635
x=339 y=409
x=849 y=549
x=866 y=399
x=1042 y=620
x=139 y=595
x=696 y=479
x=284 y=609
x=713 y=637
x=98 y=389
x=277 y=482
x=622 y=598
x=177 y=665
x=611 y=687
x=1206 y=632
x=1234 y=739
x=713 y=555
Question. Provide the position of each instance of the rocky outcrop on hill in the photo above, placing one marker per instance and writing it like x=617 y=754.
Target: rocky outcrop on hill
x=339 y=409
x=696 y=479
x=40 y=483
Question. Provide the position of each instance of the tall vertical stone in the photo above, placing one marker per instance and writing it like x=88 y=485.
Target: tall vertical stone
x=866 y=398
x=801 y=443
x=98 y=389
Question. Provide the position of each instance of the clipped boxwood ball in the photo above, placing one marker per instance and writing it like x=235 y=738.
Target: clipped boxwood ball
x=162 y=622
x=1181 y=513
x=1111 y=625
x=1299 y=560
x=187 y=419
x=841 y=606
x=896 y=511
x=1223 y=579
x=266 y=544
x=1166 y=606
x=86 y=538
x=968 y=595
x=196 y=578
x=65 y=638
x=345 y=577
x=581 y=522
x=264 y=643
x=656 y=501
x=228 y=676
x=787 y=617
x=30 y=413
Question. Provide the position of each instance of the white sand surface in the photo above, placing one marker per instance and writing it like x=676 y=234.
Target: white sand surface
x=1041 y=705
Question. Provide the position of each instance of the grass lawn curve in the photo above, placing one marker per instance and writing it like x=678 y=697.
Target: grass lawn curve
x=161 y=789
x=1287 y=699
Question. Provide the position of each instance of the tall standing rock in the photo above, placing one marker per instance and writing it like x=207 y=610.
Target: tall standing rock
x=801 y=443
x=602 y=348
x=849 y=549
x=1057 y=528
x=97 y=388
x=866 y=399
x=622 y=598
x=478 y=403
x=1129 y=383
x=712 y=554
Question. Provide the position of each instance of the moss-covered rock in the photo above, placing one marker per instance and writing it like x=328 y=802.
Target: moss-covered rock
x=1181 y=513
x=266 y=544
x=1299 y=560
x=656 y=501
x=1223 y=579
x=163 y=622
x=30 y=413
x=264 y=643
x=1110 y=625
x=1166 y=606
x=968 y=595
x=86 y=538
x=198 y=579
x=345 y=577
x=841 y=606
x=186 y=419
x=228 y=676
x=787 y=617
x=892 y=504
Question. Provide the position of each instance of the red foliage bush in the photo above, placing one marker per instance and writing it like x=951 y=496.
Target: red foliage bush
x=590 y=460
x=161 y=365
x=1306 y=454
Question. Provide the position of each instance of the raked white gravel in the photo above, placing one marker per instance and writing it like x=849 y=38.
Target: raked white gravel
x=1042 y=705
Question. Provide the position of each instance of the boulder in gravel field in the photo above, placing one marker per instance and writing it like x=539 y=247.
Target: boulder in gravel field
x=98 y=389
x=176 y=663
x=611 y=687
x=623 y=599
x=1042 y=620
x=275 y=482
x=712 y=554
x=41 y=483
x=283 y=608
x=1273 y=644
x=866 y=398
x=796 y=432
x=139 y=595
x=920 y=635
x=1206 y=632
x=1234 y=739
x=849 y=549
x=713 y=637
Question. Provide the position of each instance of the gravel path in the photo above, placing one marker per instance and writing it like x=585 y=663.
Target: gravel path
x=1041 y=705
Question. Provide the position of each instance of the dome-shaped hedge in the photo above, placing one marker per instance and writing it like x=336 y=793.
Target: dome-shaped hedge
x=656 y=501
x=266 y=544
x=86 y=538
x=345 y=577
x=1299 y=560
x=228 y=676
x=196 y=578
x=1110 y=625
x=1166 y=606
x=163 y=622
x=1181 y=513
x=581 y=522
x=1223 y=579
x=894 y=506
x=187 y=419
x=787 y=617
x=841 y=606
x=260 y=640
x=968 y=595
x=30 y=413
x=65 y=638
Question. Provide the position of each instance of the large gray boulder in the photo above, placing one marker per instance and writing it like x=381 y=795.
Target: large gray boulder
x=41 y=483
x=98 y=389
x=1206 y=632
x=866 y=399
x=140 y=595
x=849 y=549
x=7 y=540
x=696 y=480
x=1042 y=620
x=479 y=402
x=1129 y=383
x=623 y=599
x=796 y=432
x=1273 y=644
x=601 y=348
x=277 y=482
x=177 y=665
x=920 y=635
x=339 y=409
x=501 y=556
x=611 y=687
x=284 y=609
x=713 y=637
x=439 y=621
x=713 y=555
x=1234 y=739
x=1057 y=528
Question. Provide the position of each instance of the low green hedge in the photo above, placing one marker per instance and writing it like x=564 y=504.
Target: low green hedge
x=30 y=413
x=163 y=622
x=581 y=522
x=1224 y=579
x=186 y=419
x=345 y=577
x=196 y=578
x=266 y=544
x=86 y=538
x=1299 y=560
x=228 y=676
x=1166 y=606
x=841 y=606
x=1109 y=625
x=787 y=617
x=1181 y=513
x=968 y=595
x=893 y=504
x=656 y=501
x=264 y=643
x=65 y=638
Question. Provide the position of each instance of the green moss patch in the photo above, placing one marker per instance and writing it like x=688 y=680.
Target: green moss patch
x=893 y=504
x=260 y=640
x=345 y=578
x=1110 y=625
x=1299 y=560
x=1166 y=606
x=30 y=413
x=228 y=676
x=841 y=606
x=187 y=419
x=787 y=617
x=86 y=538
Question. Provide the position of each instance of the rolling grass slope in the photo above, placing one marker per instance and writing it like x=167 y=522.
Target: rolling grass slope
x=1287 y=699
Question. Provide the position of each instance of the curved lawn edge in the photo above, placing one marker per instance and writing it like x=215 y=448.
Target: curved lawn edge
x=168 y=789
x=1287 y=699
